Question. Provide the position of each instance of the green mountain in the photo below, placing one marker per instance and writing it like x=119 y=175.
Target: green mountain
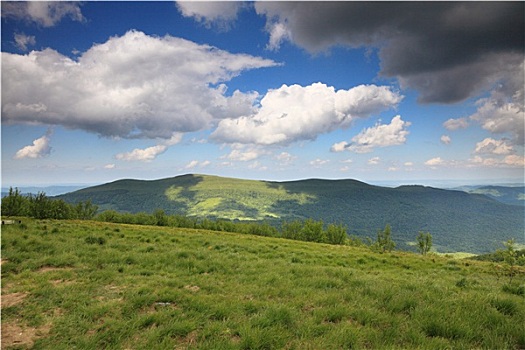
x=457 y=220
x=505 y=194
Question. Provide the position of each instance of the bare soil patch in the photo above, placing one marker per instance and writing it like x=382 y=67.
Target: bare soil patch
x=193 y=289
x=13 y=299
x=17 y=335
x=44 y=269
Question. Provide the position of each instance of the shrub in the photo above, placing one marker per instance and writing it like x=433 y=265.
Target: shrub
x=95 y=240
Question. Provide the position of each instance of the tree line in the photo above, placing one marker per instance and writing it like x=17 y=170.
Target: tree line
x=40 y=206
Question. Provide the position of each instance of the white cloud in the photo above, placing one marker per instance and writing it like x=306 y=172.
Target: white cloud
x=239 y=155
x=380 y=135
x=514 y=160
x=257 y=166
x=339 y=146
x=501 y=115
x=374 y=161
x=317 y=163
x=292 y=113
x=455 y=124
x=218 y=13
x=143 y=155
x=109 y=166
x=408 y=164
x=133 y=86
x=278 y=33
x=192 y=164
x=445 y=139
x=285 y=158
x=40 y=148
x=150 y=153
x=196 y=163
x=22 y=41
x=346 y=167
x=175 y=138
x=435 y=162
x=44 y=13
x=492 y=146
x=509 y=161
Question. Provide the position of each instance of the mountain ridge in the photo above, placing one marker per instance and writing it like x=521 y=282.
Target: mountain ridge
x=458 y=221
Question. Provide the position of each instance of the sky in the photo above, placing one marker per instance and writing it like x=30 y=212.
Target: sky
x=401 y=92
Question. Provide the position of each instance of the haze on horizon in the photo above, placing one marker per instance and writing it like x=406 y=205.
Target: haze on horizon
x=399 y=92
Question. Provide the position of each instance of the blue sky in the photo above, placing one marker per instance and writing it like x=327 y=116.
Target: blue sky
x=410 y=92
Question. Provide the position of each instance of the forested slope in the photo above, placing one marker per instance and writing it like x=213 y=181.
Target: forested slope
x=457 y=220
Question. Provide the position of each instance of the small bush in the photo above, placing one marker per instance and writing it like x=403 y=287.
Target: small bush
x=505 y=306
x=95 y=240
x=462 y=283
x=514 y=289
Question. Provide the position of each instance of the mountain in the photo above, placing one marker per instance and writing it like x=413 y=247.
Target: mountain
x=509 y=195
x=458 y=221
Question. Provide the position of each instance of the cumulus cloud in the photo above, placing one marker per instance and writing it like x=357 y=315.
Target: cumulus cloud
x=501 y=115
x=445 y=139
x=292 y=113
x=448 y=51
x=455 y=124
x=133 y=86
x=509 y=161
x=318 y=163
x=243 y=156
x=285 y=158
x=43 y=13
x=211 y=13
x=40 y=148
x=278 y=33
x=195 y=163
x=22 y=41
x=109 y=166
x=150 y=153
x=435 y=162
x=374 y=161
x=143 y=155
x=492 y=146
x=380 y=135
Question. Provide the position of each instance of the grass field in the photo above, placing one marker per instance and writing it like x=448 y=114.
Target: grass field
x=93 y=285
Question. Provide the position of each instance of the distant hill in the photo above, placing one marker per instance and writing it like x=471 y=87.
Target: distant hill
x=457 y=220
x=514 y=195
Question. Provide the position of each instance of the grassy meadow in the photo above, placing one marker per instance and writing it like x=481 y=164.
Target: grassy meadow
x=95 y=285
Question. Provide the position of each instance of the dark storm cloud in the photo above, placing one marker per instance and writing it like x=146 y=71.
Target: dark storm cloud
x=448 y=51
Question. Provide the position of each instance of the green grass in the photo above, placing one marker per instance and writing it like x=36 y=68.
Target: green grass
x=96 y=285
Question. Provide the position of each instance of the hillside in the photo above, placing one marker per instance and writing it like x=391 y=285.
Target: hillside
x=457 y=220
x=505 y=194
x=92 y=285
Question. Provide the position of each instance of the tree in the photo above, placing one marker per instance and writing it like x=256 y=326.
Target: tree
x=85 y=210
x=424 y=242
x=313 y=231
x=511 y=259
x=384 y=241
x=335 y=234
x=292 y=230
x=14 y=204
x=161 y=219
x=40 y=206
